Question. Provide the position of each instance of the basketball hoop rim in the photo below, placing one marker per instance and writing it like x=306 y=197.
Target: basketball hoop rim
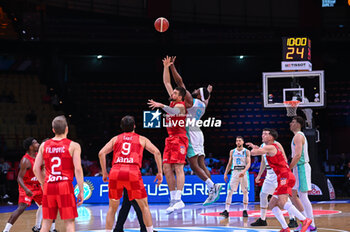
x=291 y=103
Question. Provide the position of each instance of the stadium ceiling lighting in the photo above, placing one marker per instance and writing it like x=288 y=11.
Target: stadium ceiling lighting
x=241 y=57
x=99 y=57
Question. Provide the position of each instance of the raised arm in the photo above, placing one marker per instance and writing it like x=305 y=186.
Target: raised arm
x=176 y=75
x=79 y=175
x=179 y=82
x=166 y=75
x=24 y=166
x=108 y=148
x=210 y=89
x=158 y=158
x=37 y=165
x=298 y=141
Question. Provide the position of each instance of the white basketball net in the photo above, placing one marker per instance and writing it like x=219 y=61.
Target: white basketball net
x=291 y=107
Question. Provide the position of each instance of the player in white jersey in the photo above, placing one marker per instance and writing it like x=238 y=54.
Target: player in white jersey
x=239 y=163
x=301 y=170
x=268 y=188
x=196 y=104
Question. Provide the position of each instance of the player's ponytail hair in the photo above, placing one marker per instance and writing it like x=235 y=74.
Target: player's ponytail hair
x=127 y=124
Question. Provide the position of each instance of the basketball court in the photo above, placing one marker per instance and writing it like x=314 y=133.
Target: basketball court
x=329 y=216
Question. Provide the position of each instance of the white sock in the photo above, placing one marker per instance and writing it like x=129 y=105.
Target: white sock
x=307 y=206
x=263 y=205
x=291 y=208
x=173 y=195
x=245 y=200
x=53 y=226
x=149 y=229
x=291 y=215
x=178 y=195
x=278 y=214
x=263 y=213
x=8 y=227
x=39 y=217
x=209 y=183
x=227 y=207
x=303 y=213
x=245 y=206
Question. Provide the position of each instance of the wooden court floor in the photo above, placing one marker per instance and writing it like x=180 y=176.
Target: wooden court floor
x=330 y=216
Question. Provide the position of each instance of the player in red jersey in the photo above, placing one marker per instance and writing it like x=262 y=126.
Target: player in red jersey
x=28 y=186
x=285 y=179
x=62 y=160
x=125 y=173
x=176 y=144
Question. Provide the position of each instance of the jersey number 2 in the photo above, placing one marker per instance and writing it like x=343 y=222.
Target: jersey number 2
x=56 y=165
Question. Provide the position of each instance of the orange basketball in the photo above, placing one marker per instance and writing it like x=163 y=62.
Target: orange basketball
x=161 y=24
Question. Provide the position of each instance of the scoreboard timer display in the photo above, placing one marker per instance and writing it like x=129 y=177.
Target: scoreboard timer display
x=296 y=49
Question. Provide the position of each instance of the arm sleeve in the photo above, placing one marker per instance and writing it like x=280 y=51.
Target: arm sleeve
x=171 y=111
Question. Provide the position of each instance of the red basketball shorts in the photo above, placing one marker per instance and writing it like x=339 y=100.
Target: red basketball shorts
x=37 y=195
x=286 y=182
x=175 y=149
x=126 y=176
x=59 y=196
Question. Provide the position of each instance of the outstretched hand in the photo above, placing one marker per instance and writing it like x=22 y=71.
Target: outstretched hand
x=167 y=61
x=153 y=104
x=251 y=145
x=210 y=88
x=173 y=58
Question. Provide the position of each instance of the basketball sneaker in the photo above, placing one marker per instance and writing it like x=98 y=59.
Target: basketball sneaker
x=224 y=214
x=245 y=213
x=292 y=223
x=179 y=204
x=36 y=229
x=259 y=222
x=304 y=225
x=170 y=209
x=285 y=230
x=312 y=228
x=214 y=195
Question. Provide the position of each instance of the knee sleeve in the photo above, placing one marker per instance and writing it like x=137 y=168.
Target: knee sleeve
x=263 y=200
x=229 y=197
x=303 y=196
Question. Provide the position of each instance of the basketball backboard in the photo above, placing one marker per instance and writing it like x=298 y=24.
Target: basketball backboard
x=306 y=87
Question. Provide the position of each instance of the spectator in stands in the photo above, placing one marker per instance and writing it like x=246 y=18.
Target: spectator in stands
x=55 y=101
x=187 y=169
x=31 y=118
x=85 y=163
x=255 y=166
x=3 y=147
x=4 y=167
x=346 y=185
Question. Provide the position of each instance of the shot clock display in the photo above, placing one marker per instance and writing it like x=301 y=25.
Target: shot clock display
x=296 y=49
